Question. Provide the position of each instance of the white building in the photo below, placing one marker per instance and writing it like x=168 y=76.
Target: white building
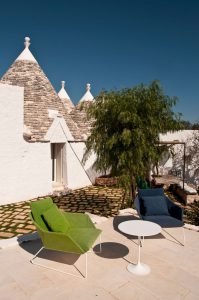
x=43 y=135
x=173 y=160
x=42 y=144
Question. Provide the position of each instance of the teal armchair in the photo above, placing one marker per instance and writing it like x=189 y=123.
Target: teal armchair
x=63 y=231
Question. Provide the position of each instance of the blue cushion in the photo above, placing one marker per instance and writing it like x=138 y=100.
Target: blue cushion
x=150 y=192
x=155 y=205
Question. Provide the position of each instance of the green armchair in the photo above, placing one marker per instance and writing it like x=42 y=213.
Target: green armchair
x=63 y=231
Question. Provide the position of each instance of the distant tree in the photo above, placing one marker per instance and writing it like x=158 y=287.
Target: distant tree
x=190 y=126
x=195 y=126
x=125 y=129
x=186 y=125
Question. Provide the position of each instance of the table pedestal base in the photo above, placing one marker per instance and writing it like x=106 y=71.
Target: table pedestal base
x=139 y=269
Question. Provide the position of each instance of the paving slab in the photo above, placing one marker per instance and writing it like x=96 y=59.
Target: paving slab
x=173 y=274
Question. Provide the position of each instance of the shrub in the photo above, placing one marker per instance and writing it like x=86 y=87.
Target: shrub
x=193 y=213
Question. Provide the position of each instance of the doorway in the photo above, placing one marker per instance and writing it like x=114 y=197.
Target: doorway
x=58 y=164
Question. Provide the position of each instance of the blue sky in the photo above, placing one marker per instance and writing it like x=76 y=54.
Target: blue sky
x=109 y=43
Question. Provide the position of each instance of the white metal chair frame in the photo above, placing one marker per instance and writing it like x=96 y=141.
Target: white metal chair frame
x=60 y=271
x=183 y=234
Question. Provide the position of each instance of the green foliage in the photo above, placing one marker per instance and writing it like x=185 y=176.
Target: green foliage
x=126 y=127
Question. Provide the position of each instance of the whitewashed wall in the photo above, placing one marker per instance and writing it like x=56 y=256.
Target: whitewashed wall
x=181 y=135
x=76 y=173
x=79 y=149
x=25 y=167
x=176 y=163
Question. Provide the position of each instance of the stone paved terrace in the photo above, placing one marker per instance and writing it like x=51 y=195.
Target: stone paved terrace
x=174 y=269
x=14 y=218
x=102 y=201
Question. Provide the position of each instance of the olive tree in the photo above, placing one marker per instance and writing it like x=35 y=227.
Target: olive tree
x=125 y=129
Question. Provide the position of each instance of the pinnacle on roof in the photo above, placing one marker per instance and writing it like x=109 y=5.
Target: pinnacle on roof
x=62 y=93
x=87 y=96
x=26 y=54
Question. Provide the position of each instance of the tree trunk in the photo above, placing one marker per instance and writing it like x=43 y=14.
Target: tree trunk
x=157 y=169
x=133 y=190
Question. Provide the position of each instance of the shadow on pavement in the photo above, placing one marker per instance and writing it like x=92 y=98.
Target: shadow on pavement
x=111 y=250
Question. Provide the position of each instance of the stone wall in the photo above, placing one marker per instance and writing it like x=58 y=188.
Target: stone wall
x=187 y=198
x=106 y=181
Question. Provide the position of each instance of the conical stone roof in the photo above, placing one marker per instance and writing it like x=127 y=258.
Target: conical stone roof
x=39 y=96
x=79 y=116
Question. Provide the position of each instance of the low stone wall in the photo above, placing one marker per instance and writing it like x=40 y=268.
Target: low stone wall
x=187 y=198
x=101 y=201
x=106 y=181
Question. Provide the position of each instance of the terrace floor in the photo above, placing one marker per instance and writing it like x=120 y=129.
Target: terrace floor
x=174 y=269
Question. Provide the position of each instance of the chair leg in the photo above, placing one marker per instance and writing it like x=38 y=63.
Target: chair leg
x=36 y=255
x=182 y=244
x=86 y=255
x=60 y=271
x=183 y=232
x=141 y=242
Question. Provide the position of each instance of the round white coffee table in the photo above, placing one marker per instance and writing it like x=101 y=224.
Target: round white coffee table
x=140 y=229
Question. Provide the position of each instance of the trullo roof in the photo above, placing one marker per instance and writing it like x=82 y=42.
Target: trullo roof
x=40 y=98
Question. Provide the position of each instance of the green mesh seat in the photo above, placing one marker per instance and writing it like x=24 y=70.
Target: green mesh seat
x=63 y=231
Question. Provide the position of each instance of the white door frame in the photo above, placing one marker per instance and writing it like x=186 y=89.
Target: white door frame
x=57 y=162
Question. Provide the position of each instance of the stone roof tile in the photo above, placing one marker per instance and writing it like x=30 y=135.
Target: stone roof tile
x=39 y=97
x=79 y=116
